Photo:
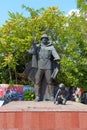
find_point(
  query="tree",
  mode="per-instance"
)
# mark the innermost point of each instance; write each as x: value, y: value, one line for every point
x: 68, y: 35
x: 82, y: 4
x: 17, y: 34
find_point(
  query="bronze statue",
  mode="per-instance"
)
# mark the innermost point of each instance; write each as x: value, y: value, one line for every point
x: 61, y: 95
x: 44, y: 68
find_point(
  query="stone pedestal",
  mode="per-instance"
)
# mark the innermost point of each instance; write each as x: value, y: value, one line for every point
x: 31, y: 115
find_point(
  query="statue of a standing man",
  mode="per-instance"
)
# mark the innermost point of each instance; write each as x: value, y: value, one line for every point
x: 45, y: 54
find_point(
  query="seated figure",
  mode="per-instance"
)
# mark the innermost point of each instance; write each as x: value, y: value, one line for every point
x: 61, y: 95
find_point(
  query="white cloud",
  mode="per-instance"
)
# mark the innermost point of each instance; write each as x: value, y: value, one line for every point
x: 77, y: 13
x: 74, y: 11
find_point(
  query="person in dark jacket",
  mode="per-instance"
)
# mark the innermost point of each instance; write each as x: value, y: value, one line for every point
x: 61, y: 95
x: 44, y: 55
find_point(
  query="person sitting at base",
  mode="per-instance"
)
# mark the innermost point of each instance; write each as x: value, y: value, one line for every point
x: 61, y: 95
x: 78, y: 94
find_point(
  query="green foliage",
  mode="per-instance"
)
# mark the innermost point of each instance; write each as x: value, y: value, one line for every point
x: 82, y: 4
x: 29, y: 96
x: 68, y: 33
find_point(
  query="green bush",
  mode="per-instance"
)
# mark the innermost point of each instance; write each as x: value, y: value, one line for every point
x: 29, y: 95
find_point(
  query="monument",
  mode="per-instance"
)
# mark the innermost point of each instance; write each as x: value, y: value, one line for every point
x: 43, y: 68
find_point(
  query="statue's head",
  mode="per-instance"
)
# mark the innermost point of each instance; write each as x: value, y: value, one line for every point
x: 61, y: 85
x: 44, y: 38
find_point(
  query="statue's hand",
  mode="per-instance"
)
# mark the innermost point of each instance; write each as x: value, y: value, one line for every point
x: 34, y: 43
x: 27, y: 52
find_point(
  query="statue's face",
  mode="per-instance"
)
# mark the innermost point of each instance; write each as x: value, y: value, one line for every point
x: 44, y: 40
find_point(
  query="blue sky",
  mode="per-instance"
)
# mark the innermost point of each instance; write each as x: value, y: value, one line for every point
x: 15, y: 6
